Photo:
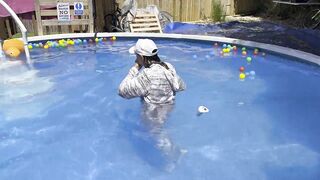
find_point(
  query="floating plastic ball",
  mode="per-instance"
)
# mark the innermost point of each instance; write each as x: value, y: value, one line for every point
x: 224, y: 45
x: 244, y: 49
x: 249, y: 59
x: 202, y: 109
x: 113, y: 38
x: 13, y: 52
x: 30, y: 46
x: 225, y: 50
x: 216, y: 44
x: 263, y: 54
x: 241, y: 69
x: 244, y: 53
x: 242, y: 76
x: 97, y: 40
x: 235, y: 48
x: 46, y: 46
x: 252, y: 73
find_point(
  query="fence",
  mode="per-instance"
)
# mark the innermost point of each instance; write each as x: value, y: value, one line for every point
x: 182, y: 10
x: 46, y: 18
x: 194, y: 10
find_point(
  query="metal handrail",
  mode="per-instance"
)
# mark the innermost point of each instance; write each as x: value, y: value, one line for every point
x: 21, y: 26
x: 1, y: 51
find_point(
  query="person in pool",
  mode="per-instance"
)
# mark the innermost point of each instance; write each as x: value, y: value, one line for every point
x: 157, y: 83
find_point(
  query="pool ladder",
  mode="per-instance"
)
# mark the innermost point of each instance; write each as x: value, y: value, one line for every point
x: 22, y: 29
x: 1, y: 51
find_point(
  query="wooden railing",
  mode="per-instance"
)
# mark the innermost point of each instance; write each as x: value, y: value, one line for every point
x: 48, y: 23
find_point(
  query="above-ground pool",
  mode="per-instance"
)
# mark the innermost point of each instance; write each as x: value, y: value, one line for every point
x: 62, y: 117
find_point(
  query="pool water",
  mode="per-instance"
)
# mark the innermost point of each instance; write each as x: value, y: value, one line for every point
x: 63, y: 119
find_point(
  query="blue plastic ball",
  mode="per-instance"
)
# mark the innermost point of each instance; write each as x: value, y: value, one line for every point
x: 252, y: 73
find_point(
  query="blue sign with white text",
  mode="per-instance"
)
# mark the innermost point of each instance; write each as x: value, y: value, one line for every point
x: 78, y: 8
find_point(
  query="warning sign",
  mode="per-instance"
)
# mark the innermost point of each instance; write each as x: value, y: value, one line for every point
x: 78, y: 8
x: 63, y: 11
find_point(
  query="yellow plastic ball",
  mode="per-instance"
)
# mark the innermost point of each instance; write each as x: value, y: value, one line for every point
x: 242, y: 76
x: 225, y: 50
x: 30, y: 46
x: 13, y: 43
x: 113, y: 38
x: 244, y: 53
x: 46, y: 46
x: 13, y: 52
x: 97, y: 40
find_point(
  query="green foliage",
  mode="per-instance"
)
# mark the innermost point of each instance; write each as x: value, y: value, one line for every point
x: 217, y: 13
x: 19, y: 35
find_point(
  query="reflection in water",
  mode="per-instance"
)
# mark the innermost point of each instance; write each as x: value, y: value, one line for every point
x: 20, y: 91
x: 154, y: 117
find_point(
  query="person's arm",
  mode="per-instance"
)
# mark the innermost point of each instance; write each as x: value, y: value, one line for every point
x: 181, y: 85
x: 135, y: 84
x: 176, y: 82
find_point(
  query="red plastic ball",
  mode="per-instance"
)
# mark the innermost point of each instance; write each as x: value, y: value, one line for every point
x: 241, y: 69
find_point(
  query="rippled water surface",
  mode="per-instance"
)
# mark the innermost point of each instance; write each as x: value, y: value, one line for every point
x: 62, y: 118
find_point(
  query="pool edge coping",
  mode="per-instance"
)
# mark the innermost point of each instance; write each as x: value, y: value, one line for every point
x: 305, y: 56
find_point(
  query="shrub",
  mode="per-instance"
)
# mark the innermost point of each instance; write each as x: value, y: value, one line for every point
x: 217, y: 13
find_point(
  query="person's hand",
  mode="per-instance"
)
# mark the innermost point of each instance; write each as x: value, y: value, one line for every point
x: 137, y: 66
x: 139, y: 62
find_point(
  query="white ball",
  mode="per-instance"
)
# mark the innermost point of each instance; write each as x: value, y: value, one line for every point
x: 203, y: 109
x: 252, y: 73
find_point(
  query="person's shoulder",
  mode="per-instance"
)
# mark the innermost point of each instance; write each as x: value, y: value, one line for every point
x: 170, y: 66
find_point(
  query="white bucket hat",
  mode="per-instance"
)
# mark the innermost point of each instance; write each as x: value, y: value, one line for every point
x: 144, y: 47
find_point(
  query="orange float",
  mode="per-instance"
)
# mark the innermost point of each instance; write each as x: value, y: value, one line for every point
x: 13, y: 43
x: 12, y: 52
